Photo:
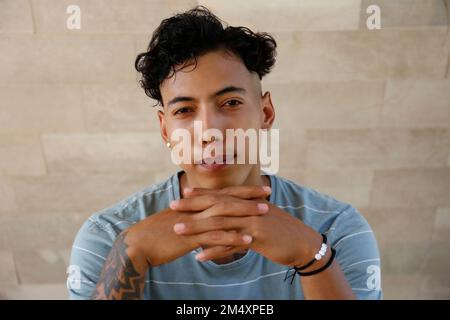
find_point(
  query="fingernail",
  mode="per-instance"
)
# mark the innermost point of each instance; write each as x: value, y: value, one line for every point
x: 174, y: 204
x: 179, y: 227
x: 263, y: 207
x: 200, y: 256
x: 267, y: 189
x: 188, y: 190
x: 247, y: 238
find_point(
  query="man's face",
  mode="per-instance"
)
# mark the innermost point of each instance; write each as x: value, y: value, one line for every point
x: 223, y: 94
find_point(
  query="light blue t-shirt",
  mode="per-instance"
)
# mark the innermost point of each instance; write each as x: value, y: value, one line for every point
x: 252, y: 276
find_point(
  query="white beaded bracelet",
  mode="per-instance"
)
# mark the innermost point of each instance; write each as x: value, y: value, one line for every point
x: 322, y: 251
x: 318, y: 256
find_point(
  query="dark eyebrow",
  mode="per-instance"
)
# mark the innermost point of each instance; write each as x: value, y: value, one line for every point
x: 218, y: 93
x: 229, y: 89
x: 179, y: 99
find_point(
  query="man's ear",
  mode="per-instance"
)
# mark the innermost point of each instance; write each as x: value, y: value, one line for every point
x: 268, y: 111
x: 162, y: 126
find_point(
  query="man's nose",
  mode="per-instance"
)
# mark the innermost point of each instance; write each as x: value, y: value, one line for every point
x: 209, y: 139
x: 212, y: 124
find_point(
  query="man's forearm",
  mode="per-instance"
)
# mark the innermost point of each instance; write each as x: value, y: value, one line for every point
x: 123, y: 274
x: 328, y: 284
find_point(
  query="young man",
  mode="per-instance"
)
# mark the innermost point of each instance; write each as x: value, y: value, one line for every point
x: 221, y: 231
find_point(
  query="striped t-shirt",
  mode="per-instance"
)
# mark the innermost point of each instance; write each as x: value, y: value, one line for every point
x: 250, y: 277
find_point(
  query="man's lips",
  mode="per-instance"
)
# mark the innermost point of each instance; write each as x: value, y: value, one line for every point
x: 224, y: 159
x: 213, y: 167
x: 210, y: 164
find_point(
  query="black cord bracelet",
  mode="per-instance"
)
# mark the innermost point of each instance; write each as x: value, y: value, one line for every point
x: 310, y: 273
x: 324, y: 241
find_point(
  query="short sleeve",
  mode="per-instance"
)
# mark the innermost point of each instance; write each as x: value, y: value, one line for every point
x: 357, y: 253
x: 91, y: 246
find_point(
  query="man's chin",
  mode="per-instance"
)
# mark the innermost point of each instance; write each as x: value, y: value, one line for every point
x: 220, y: 177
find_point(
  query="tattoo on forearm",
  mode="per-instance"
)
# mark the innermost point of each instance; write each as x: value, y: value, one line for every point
x: 119, y: 279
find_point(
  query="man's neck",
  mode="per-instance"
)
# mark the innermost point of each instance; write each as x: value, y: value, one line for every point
x: 254, y: 178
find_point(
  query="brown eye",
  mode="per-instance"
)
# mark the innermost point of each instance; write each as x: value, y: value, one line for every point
x: 182, y: 110
x: 233, y: 103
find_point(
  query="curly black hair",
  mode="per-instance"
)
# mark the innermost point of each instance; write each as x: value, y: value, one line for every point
x: 190, y: 34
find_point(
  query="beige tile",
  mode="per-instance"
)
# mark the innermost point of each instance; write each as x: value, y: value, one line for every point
x: 76, y: 193
x: 21, y: 155
x: 446, y: 2
x: 65, y: 255
x: 400, y: 287
x: 296, y: 175
x: 62, y: 59
x: 408, y: 13
x: 164, y: 174
x: 442, y: 218
x: 437, y: 259
x: 353, y: 104
x: 7, y: 198
x: 42, y: 108
x: 40, y: 230
x: 377, y: 148
x: 412, y: 187
x: 106, y: 16
x: 289, y: 15
x: 350, y: 186
x: 435, y: 287
x: 442, y: 224
x: 53, y: 291
x: 114, y: 108
x: 32, y: 109
x: 4, y: 238
x: 417, y: 104
x: 447, y: 76
x: 141, y: 42
x: 396, y: 225
x: 360, y: 55
x: 104, y: 153
x: 15, y: 17
x: 292, y: 148
x: 403, y: 258
x: 39, y: 267
x: 7, y: 269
